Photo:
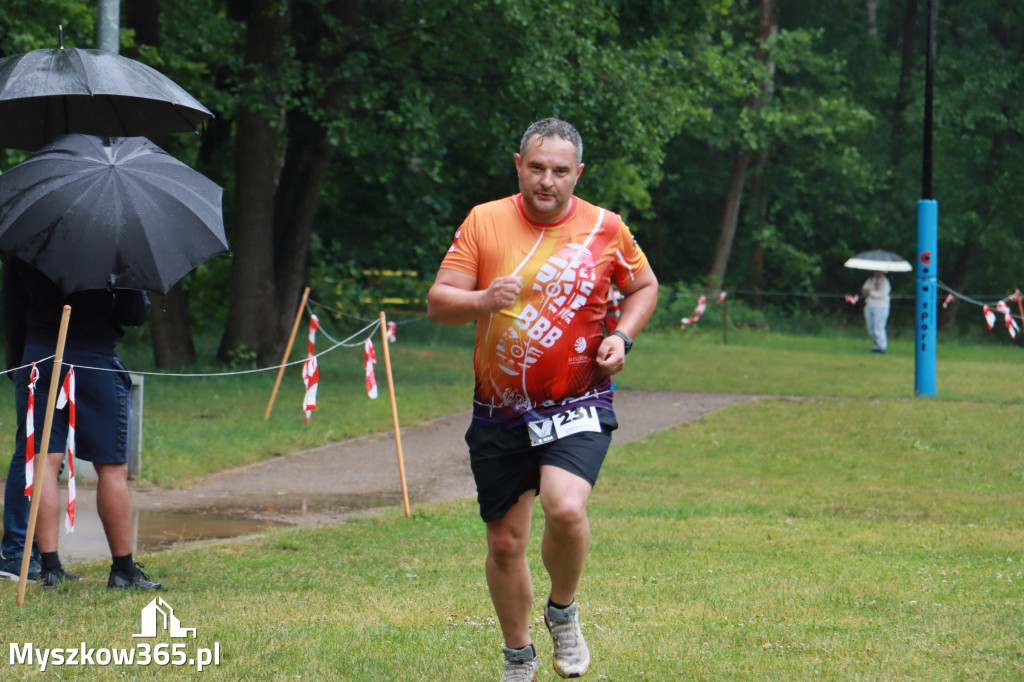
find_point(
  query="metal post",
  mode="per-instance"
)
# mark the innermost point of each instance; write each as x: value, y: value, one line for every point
x: 929, y: 80
x: 927, y: 314
x: 108, y: 26
x: 927, y: 237
x: 135, y: 426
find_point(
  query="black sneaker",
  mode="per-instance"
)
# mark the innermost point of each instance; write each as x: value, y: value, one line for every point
x: 10, y: 569
x: 137, y: 579
x: 54, y: 579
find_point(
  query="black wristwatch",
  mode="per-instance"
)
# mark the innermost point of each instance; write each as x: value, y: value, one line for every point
x: 625, y: 339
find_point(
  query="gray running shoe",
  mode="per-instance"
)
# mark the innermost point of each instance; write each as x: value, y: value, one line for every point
x: 520, y: 664
x: 10, y: 569
x: 572, y: 657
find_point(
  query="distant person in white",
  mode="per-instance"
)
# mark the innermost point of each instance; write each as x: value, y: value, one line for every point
x: 876, y: 292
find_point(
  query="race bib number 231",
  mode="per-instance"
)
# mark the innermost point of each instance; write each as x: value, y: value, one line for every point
x: 577, y: 420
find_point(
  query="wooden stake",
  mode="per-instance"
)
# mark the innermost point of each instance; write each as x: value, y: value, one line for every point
x: 287, y: 352
x: 44, y: 449
x: 394, y: 411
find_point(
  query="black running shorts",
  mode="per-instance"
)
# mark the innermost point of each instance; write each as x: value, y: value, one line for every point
x: 505, y: 465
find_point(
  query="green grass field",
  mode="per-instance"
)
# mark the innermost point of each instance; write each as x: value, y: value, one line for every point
x: 854, y: 533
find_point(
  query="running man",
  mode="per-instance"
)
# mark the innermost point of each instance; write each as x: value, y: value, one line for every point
x: 533, y: 271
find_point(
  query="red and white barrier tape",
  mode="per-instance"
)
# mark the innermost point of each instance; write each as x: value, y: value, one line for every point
x: 1011, y: 324
x: 702, y: 304
x: 990, y: 317
x: 310, y: 370
x: 67, y: 397
x: 369, y: 358
x: 30, y: 431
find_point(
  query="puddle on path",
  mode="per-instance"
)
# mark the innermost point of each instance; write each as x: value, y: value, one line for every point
x: 157, y: 530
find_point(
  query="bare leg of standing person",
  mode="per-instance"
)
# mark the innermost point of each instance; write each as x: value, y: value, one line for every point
x: 114, y: 504
x: 48, y: 515
x: 52, y: 573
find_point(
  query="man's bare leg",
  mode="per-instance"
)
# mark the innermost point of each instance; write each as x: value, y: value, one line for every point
x: 48, y: 514
x: 114, y: 504
x: 508, y: 571
x: 566, y: 540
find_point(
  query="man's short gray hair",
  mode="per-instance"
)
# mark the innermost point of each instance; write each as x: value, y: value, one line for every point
x: 553, y: 126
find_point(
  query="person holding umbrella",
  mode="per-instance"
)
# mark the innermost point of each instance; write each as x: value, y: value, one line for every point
x: 63, y: 98
x: 876, y: 290
x: 32, y: 306
x: 93, y: 222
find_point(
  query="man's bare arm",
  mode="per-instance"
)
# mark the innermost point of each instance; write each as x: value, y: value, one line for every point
x: 639, y: 300
x: 454, y: 300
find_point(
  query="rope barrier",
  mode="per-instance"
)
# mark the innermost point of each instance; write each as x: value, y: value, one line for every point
x: 799, y: 294
x: 347, y: 343
x: 373, y: 324
x: 15, y: 369
x: 965, y: 297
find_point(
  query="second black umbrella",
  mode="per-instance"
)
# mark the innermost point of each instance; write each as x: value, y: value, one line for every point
x: 97, y: 213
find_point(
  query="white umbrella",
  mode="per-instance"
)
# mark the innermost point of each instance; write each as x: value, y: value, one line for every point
x: 886, y: 261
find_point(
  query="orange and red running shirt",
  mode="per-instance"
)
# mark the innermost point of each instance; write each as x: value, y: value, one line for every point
x: 537, y: 357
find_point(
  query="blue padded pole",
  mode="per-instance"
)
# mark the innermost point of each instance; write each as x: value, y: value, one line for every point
x: 927, y: 313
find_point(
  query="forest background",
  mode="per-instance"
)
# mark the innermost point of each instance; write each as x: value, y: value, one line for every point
x: 751, y: 145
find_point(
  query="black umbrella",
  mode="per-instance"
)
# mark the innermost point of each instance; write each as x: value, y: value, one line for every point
x: 47, y: 93
x: 885, y: 261
x: 96, y: 213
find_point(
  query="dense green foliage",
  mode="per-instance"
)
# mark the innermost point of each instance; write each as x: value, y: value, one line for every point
x: 423, y: 104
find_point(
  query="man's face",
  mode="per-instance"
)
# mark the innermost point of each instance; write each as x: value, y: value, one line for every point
x: 547, y: 177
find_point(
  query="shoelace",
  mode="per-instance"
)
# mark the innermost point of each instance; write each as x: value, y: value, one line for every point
x: 565, y: 634
x: 519, y: 670
x: 137, y: 566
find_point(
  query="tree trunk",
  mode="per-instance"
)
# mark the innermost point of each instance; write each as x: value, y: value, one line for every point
x: 730, y: 218
x: 171, y: 333
x: 169, y: 325
x: 871, y: 12
x: 757, y: 255
x: 143, y: 17
x: 306, y: 163
x: 767, y: 28
x: 903, y: 96
x: 252, y: 308
x: 961, y: 269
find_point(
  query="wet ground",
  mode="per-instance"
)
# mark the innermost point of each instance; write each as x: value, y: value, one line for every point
x: 155, y: 530
x: 330, y: 483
